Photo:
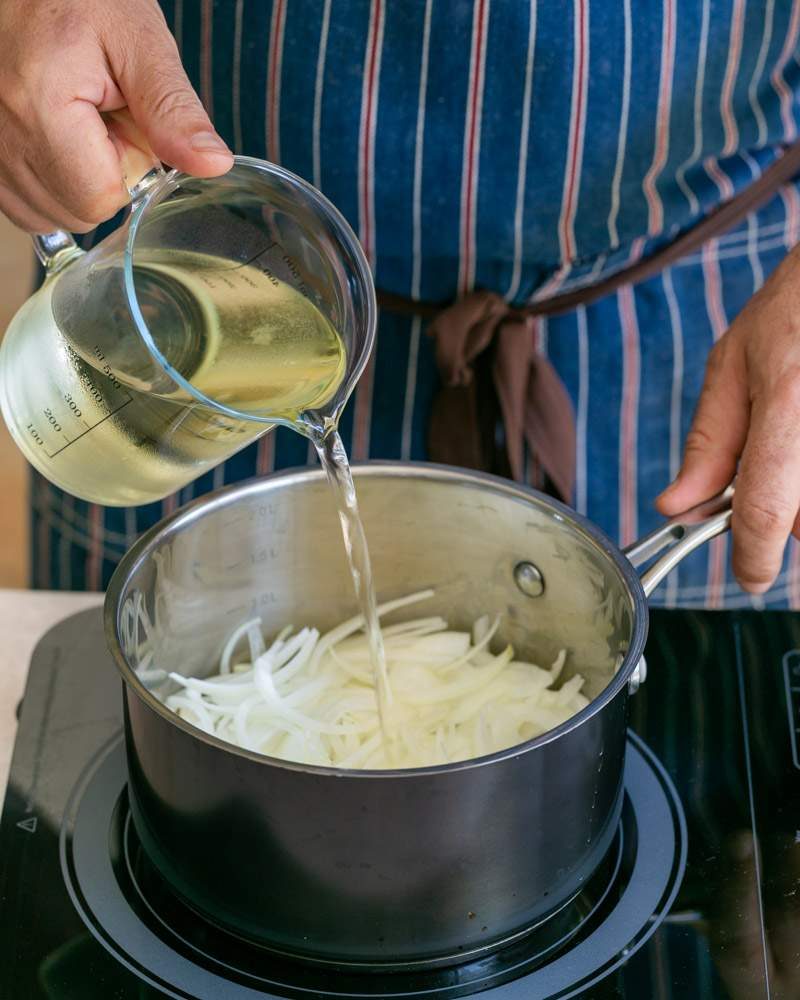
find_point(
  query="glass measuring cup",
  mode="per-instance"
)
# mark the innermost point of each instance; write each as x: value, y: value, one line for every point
x: 220, y: 308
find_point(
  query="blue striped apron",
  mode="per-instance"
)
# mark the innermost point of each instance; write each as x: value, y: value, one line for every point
x: 524, y: 147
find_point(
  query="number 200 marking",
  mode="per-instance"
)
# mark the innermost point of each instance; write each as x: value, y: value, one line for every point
x: 51, y: 417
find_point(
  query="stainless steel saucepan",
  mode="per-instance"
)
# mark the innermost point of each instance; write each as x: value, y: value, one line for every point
x: 385, y: 867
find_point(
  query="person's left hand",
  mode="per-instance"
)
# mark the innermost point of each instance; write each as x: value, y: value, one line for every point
x: 749, y: 415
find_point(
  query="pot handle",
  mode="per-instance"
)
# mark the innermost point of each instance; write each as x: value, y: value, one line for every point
x: 679, y: 536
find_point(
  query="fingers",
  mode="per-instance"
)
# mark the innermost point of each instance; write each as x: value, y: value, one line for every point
x: 21, y: 213
x: 78, y: 164
x: 767, y: 498
x: 760, y: 437
x: 61, y: 167
x: 64, y: 167
x: 55, y: 152
x: 164, y: 104
x: 717, y: 436
x: 136, y: 158
x: 30, y: 189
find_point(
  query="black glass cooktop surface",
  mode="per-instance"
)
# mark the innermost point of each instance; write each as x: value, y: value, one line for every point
x: 699, y: 896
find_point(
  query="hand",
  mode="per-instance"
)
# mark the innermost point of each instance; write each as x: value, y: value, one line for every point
x: 63, y: 63
x: 749, y: 415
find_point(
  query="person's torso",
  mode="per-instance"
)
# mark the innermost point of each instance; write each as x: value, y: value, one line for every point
x: 519, y: 146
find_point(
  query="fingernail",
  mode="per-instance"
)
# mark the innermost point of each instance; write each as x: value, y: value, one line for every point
x: 208, y: 142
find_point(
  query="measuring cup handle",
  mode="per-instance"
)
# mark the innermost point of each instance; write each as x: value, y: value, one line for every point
x: 55, y: 249
x: 140, y: 169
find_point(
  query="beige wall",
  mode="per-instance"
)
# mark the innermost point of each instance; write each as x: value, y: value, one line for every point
x: 16, y: 276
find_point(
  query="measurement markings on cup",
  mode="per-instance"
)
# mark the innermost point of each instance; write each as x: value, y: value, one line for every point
x: 90, y: 427
x: 73, y: 416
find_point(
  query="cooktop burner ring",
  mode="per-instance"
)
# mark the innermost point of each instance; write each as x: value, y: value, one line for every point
x: 536, y: 942
x: 631, y: 911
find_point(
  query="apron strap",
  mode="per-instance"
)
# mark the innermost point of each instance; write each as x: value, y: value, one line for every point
x: 720, y: 220
x: 499, y: 393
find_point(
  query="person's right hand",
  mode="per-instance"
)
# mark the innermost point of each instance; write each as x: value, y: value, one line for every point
x: 64, y: 62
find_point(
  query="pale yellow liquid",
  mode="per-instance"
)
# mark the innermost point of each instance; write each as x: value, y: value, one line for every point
x: 333, y: 459
x: 87, y: 417
x: 98, y: 430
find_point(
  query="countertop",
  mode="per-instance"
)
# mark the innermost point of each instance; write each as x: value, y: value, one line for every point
x: 25, y: 616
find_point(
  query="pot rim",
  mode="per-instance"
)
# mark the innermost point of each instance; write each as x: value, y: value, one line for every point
x: 200, y: 506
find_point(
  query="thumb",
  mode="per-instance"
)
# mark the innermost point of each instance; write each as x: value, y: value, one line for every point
x: 717, y: 435
x: 134, y: 152
x: 163, y: 102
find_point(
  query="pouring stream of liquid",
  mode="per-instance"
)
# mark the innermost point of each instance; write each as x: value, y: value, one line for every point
x: 333, y: 458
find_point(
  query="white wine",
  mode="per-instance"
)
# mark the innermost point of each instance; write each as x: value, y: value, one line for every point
x: 240, y: 335
x: 86, y: 412
x: 94, y: 414
x: 333, y: 458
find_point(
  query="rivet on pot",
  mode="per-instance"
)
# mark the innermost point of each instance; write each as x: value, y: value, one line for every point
x: 529, y: 580
x: 638, y: 676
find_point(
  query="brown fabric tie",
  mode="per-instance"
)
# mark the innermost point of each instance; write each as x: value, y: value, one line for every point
x: 491, y: 372
x: 486, y: 354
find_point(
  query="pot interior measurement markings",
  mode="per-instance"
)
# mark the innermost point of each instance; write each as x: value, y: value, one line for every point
x: 75, y: 415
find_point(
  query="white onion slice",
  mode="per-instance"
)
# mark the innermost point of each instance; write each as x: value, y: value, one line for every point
x: 310, y: 698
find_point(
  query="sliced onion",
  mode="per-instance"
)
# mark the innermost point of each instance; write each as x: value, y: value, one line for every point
x: 310, y: 698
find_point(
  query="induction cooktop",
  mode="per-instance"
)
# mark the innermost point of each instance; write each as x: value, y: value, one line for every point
x: 698, y: 897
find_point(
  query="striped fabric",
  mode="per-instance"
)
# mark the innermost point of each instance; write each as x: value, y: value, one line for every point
x: 527, y: 148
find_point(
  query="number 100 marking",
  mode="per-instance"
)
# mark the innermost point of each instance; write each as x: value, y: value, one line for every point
x: 37, y: 437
